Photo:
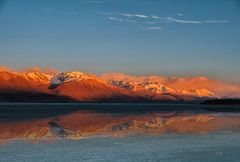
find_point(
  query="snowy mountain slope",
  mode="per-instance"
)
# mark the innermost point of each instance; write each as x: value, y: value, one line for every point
x: 157, y: 88
x: 89, y: 88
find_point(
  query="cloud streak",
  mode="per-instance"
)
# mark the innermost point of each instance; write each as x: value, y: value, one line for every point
x: 216, y: 21
x: 155, y: 17
x: 170, y: 19
x: 135, y: 15
x: 115, y: 19
x: 149, y: 28
x: 179, y: 14
x: 147, y: 21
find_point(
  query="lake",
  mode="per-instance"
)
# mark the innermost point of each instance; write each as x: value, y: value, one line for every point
x: 117, y: 132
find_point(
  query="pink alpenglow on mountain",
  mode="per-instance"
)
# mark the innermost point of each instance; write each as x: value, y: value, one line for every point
x: 112, y: 87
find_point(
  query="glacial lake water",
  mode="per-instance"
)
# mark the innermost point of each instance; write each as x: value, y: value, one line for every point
x: 117, y: 132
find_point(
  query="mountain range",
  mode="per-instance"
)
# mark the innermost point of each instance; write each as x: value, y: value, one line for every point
x: 38, y: 86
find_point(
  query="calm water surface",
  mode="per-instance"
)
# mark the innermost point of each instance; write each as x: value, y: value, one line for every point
x: 117, y: 132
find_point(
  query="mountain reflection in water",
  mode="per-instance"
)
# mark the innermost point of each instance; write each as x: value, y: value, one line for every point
x: 70, y: 123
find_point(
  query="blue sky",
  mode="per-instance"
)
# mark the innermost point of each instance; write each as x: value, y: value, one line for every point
x: 142, y: 37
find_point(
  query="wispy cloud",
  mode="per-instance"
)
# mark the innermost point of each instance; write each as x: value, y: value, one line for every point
x: 141, y: 16
x: 127, y: 15
x: 179, y: 14
x: 148, y: 28
x: 216, y: 21
x: 151, y: 21
x: 170, y: 19
x: 134, y: 15
x: 115, y: 19
x: 155, y: 17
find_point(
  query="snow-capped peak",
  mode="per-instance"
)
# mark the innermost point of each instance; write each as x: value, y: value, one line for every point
x: 69, y: 76
x: 122, y: 84
x: 150, y: 86
x: 204, y: 93
x: 158, y: 88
